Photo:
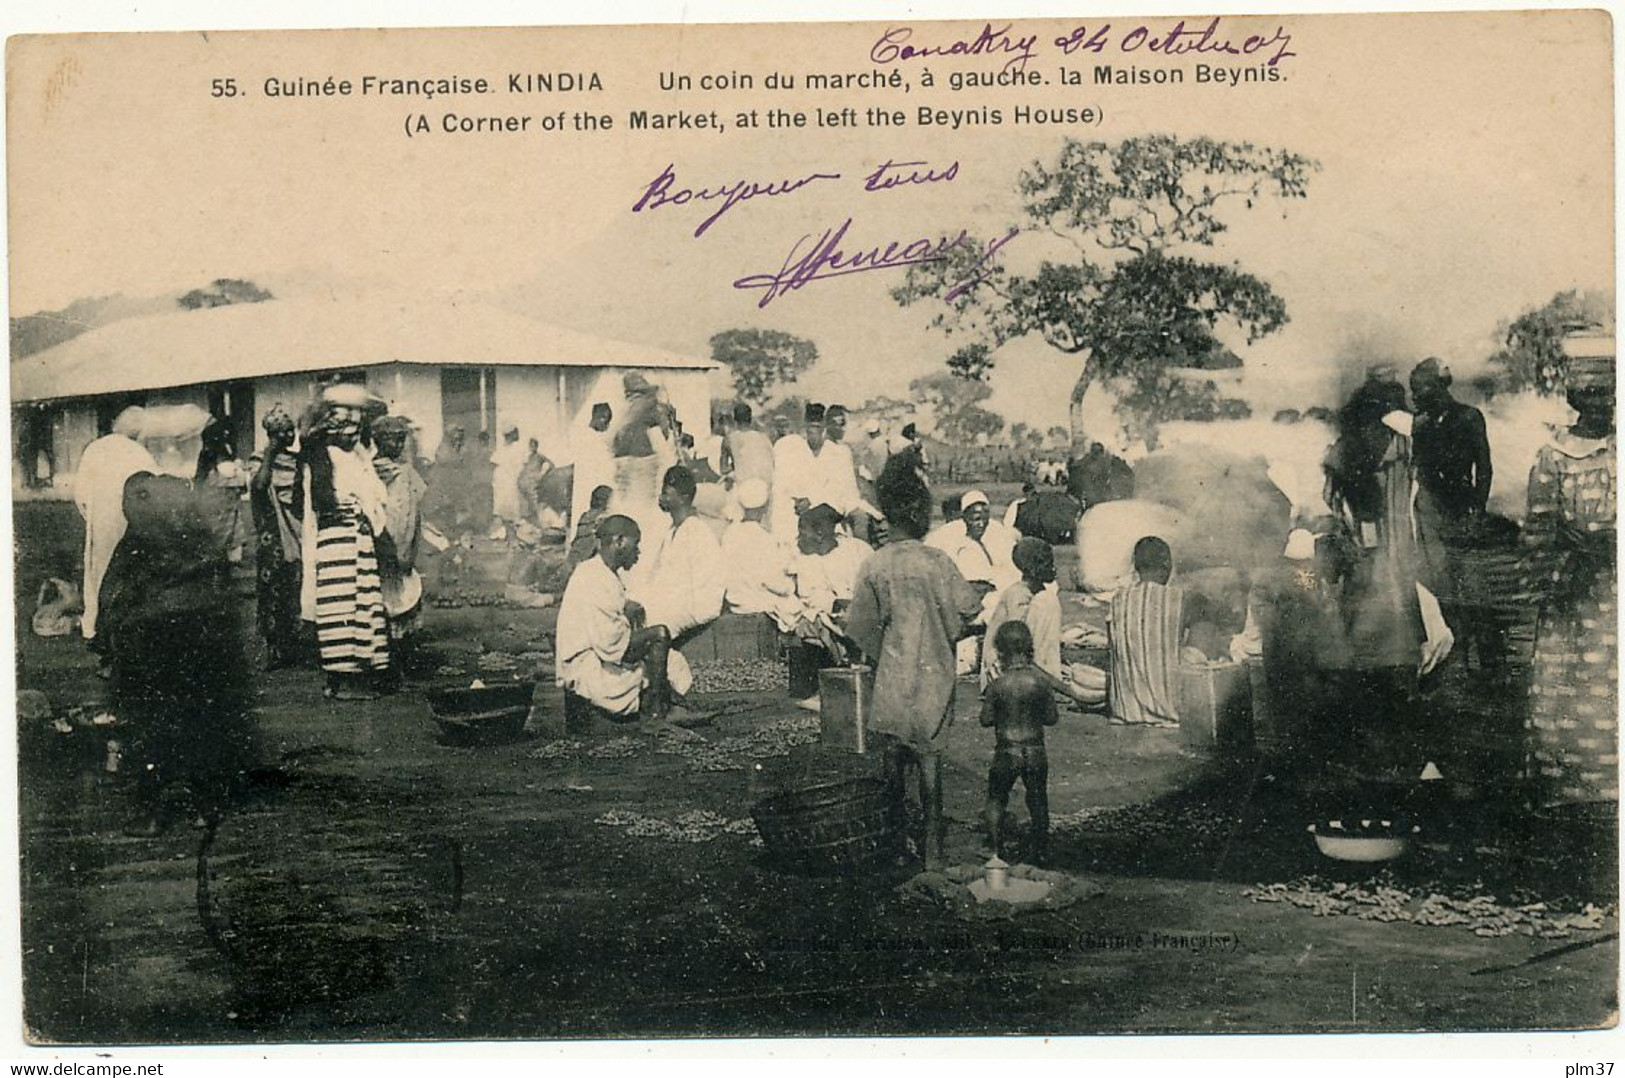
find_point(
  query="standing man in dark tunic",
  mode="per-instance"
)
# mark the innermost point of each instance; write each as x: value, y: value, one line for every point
x: 909, y: 608
x: 1453, y: 474
x: 1451, y: 445
x: 179, y: 668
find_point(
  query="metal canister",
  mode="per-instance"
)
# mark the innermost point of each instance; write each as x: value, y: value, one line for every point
x: 115, y: 756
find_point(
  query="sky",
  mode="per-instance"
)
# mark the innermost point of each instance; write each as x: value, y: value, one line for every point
x: 1466, y: 175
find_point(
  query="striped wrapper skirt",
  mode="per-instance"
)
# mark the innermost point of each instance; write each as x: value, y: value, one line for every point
x: 352, y: 629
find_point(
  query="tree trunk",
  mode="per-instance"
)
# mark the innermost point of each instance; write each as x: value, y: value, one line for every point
x: 1080, y: 436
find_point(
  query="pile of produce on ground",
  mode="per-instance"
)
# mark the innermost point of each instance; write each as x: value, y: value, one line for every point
x: 1187, y: 821
x: 697, y: 825
x: 454, y: 600
x: 1383, y: 898
x: 771, y: 739
x: 740, y: 675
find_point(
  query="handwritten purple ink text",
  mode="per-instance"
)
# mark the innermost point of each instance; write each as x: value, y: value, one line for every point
x: 825, y: 257
x: 660, y: 193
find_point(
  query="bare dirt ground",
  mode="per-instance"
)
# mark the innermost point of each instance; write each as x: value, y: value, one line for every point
x: 378, y: 885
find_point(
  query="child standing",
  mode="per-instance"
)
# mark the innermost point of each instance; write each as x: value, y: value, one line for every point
x: 1018, y: 705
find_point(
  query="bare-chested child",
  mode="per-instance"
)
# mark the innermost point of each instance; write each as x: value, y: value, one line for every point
x: 1018, y: 705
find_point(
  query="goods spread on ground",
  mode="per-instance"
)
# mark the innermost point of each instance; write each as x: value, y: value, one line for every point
x: 1382, y: 898
x: 736, y: 753
x: 740, y: 675
x: 698, y: 825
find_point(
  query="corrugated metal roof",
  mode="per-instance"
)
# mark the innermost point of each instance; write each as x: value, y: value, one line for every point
x: 253, y: 340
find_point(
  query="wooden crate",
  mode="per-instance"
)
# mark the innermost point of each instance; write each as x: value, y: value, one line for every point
x: 733, y: 636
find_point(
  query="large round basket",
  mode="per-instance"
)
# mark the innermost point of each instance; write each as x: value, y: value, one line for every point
x: 481, y: 716
x: 838, y: 828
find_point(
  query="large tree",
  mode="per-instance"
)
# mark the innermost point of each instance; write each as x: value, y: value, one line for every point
x: 955, y: 404
x: 761, y: 359
x: 1126, y: 291
x: 1532, y: 352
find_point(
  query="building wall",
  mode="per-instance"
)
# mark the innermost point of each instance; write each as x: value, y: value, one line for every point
x: 528, y: 397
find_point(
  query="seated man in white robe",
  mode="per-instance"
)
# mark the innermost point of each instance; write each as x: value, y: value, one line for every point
x: 684, y: 585
x: 951, y: 531
x: 608, y: 661
x: 982, y: 552
x: 758, y: 580
x: 826, y: 570
x: 826, y: 564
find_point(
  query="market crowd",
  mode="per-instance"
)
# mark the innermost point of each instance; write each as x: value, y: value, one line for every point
x: 835, y: 536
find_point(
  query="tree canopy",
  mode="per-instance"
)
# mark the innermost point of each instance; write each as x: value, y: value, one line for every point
x: 1127, y: 291
x: 955, y: 404
x: 761, y: 359
x: 1532, y: 353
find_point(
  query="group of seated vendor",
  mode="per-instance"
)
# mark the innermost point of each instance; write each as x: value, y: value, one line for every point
x: 618, y: 628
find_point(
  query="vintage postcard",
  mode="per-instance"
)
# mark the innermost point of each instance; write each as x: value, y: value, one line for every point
x: 1024, y: 526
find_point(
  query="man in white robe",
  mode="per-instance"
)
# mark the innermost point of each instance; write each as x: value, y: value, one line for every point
x: 506, y: 464
x: 833, y: 474
x: 793, y: 479
x: 605, y: 658
x: 981, y: 549
x: 758, y: 580
x: 684, y: 584
x: 98, y: 491
x: 826, y: 565
x: 594, y: 464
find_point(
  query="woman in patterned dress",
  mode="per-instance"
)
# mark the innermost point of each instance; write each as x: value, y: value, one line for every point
x: 277, y: 501
x: 1573, y: 724
x: 346, y: 509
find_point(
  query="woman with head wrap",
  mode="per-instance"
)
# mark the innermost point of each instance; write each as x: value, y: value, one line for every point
x: 397, y: 544
x: 178, y: 664
x: 346, y: 510
x: 276, y: 498
x: 1573, y: 726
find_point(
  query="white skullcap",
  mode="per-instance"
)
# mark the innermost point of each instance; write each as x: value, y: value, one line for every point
x: 972, y: 497
x: 752, y: 494
x: 1300, y: 545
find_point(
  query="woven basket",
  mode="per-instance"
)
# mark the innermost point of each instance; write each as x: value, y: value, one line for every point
x: 836, y: 828
x: 483, y: 716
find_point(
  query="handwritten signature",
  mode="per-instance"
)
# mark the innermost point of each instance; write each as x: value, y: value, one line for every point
x: 825, y: 257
